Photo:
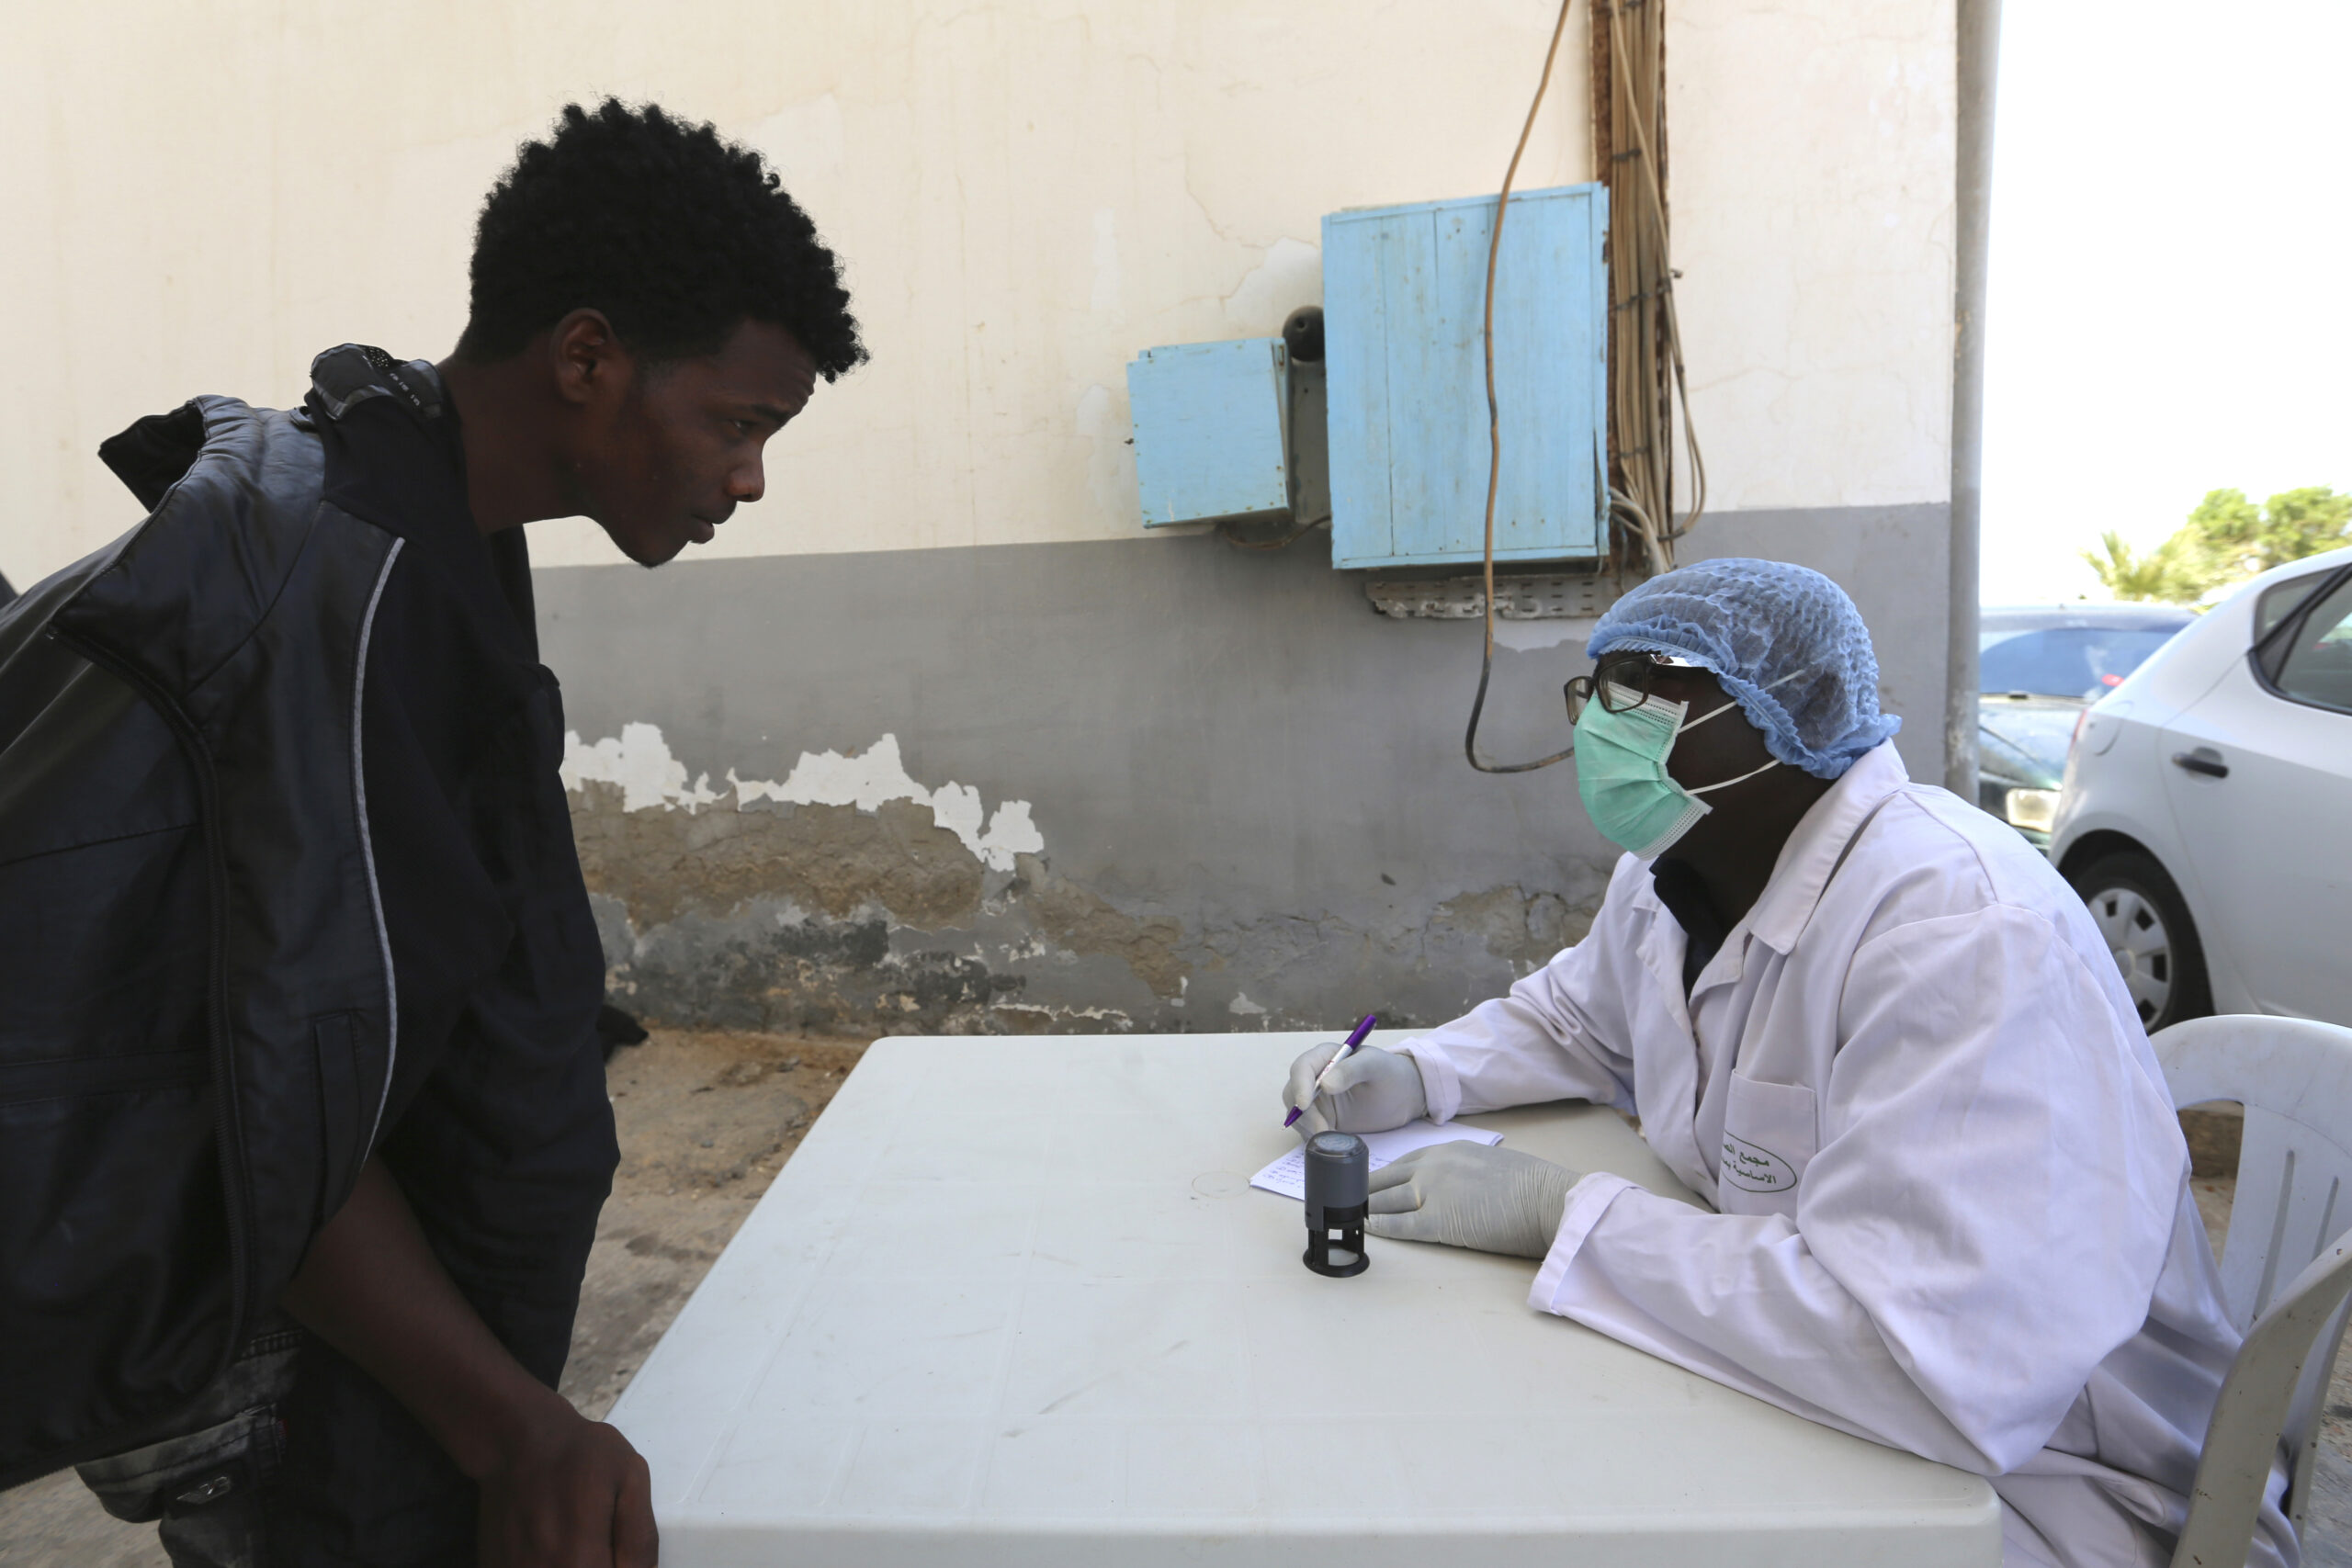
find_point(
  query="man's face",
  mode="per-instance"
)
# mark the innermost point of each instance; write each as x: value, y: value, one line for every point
x: 666, y: 453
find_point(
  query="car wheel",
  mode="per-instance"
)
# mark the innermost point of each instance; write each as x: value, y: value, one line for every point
x: 2139, y: 910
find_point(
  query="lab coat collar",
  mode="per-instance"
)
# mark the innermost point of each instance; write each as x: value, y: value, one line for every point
x: 1818, y: 844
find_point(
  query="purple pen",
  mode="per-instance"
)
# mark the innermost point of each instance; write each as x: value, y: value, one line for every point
x: 1354, y: 1040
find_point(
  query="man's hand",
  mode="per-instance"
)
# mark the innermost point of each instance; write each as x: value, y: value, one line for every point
x: 573, y: 1492
x: 1470, y: 1195
x: 1370, y: 1092
x: 558, y: 1490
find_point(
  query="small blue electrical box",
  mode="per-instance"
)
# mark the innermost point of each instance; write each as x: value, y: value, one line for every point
x: 1404, y: 292
x: 1210, y: 422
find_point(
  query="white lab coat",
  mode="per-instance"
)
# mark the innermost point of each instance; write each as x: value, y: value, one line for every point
x: 1954, y: 1206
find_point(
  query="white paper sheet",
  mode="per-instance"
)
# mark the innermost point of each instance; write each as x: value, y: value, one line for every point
x: 1287, y: 1175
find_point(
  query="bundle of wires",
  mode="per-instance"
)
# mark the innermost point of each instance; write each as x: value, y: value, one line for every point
x: 1646, y: 373
x: 1629, y: 50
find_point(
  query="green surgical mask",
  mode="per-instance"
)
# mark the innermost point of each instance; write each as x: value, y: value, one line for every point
x: 1621, y: 773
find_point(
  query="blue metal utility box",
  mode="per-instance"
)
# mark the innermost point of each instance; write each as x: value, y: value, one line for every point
x: 1403, y: 289
x: 1210, y: 430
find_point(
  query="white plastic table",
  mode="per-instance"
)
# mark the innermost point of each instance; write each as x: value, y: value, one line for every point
x: 1013, y: 1301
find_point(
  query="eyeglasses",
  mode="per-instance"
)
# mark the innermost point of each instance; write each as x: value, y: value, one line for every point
x: 1622, y: 682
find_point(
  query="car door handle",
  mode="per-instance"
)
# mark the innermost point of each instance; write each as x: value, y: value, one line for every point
x: 2204, y: 760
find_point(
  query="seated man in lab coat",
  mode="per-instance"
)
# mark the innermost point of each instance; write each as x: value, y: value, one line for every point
x: 1871, y: 1025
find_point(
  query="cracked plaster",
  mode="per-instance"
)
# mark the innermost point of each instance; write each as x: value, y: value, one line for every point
x: 851, y: 897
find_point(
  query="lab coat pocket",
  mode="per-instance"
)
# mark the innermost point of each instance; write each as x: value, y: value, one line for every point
x: 1769, y: 1133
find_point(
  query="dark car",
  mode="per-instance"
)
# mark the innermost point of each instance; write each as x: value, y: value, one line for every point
x: 2039, y: 667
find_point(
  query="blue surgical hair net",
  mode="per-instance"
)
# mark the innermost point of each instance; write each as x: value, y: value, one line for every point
x: 1785, y: 643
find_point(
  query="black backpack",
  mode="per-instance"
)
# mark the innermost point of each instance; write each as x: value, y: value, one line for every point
x: 195, y: 993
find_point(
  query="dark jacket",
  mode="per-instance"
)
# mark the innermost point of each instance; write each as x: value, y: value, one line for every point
x: 201, y: 988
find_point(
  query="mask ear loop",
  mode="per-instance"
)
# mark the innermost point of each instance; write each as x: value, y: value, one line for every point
x: 1727, y: 783
x: 1693, y: 724
x: 1696, y: 723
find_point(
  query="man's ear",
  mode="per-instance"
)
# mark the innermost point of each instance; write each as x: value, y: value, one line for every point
x: 588, y: 360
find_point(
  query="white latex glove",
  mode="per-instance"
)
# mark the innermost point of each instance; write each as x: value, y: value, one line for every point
x: 1370, y: 1092
x: 1490, y: 1200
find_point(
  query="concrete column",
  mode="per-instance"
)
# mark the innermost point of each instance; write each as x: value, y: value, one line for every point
x: 1979, y: 67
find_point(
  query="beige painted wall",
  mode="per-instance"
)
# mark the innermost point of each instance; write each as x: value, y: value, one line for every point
x: 1813, y: 146
x: 198, y: 197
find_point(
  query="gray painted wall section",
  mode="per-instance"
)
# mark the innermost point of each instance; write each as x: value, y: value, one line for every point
x: 1250, y: 785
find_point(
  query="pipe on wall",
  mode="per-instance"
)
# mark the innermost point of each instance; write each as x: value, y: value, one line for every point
x: 1979, y: 70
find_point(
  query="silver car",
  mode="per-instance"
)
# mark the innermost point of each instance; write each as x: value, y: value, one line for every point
x: 2206, y: 815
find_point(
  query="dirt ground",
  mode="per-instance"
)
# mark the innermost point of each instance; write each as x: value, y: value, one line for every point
x: 705, y: 1122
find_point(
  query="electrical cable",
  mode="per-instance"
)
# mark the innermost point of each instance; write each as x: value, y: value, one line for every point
x: 1495, y: 426
x: 1648, y: 378
x: 1642, y: 314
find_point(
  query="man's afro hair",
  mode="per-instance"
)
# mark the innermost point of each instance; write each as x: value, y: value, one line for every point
x: 676, y: 235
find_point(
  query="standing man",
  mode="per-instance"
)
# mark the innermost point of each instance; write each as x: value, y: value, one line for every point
x: 303, y: 1126
x: 1874, y: 1028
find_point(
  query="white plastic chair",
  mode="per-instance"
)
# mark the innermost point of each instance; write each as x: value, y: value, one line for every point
x: 2285, y: 1262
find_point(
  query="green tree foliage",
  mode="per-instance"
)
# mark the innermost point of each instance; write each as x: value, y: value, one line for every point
x: 2299, y: 522
x: 2226, y: 540
x: 2160, y: 574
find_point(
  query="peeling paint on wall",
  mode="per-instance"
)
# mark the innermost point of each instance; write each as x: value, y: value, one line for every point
x: 1128, y: 786
x: 847, y: 895
x: 851, y: 896
x: 639, y: 762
